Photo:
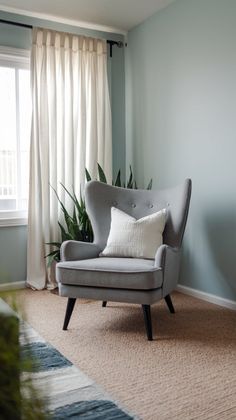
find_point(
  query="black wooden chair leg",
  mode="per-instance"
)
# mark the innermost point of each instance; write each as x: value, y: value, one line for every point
x: 147, y: 320
x: 170, y: 304
x: 69, y: 310
x: 104, y: 303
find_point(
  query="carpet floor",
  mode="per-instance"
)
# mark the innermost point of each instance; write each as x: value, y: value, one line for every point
x: 187, y: 372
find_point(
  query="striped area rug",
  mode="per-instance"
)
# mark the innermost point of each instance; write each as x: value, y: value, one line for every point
x: 69, y: 393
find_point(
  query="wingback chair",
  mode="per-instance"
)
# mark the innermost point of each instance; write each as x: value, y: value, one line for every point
x: 82, y: 273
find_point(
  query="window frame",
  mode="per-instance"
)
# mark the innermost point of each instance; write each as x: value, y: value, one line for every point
x: 16, y: 58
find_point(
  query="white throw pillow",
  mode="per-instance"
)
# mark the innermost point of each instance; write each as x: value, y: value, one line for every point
x: 129, y: 237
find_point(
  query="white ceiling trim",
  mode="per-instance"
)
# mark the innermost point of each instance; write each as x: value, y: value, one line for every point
x: 58, y: 19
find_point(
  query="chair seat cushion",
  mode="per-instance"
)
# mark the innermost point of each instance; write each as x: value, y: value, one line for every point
x: 117, y: 273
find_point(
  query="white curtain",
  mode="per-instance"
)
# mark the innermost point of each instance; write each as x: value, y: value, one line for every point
x: 71, y: 130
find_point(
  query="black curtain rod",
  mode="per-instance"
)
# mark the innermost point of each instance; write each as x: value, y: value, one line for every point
x: 25, y: 25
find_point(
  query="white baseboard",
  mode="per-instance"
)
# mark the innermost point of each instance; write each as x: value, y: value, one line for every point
x: 230, y: 304
x: 12, y: 286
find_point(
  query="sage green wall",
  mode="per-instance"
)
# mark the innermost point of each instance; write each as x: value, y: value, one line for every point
x: 13, y: 239
x: 181, y: 122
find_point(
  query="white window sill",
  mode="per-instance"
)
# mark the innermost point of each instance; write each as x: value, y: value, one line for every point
x: 14, y: 221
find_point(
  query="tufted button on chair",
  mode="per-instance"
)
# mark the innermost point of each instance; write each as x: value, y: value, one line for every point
x: 82, y: 273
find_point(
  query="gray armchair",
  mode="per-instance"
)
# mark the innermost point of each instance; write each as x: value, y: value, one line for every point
x: 83, y: 274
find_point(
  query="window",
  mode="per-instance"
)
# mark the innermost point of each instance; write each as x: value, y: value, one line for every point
x: 15, y: 120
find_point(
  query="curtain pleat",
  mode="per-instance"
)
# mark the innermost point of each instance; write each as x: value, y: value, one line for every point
x: 71, y: 130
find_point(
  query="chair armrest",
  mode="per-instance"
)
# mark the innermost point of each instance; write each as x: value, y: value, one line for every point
x: 161, y: 254
x: 168, y: 259
x: 78, y: 250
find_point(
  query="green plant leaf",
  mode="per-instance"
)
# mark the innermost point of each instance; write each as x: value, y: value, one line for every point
x: 101, y: 174
x: 74, y: 217
x: 58, y: 244
x: 80, y: 207
x: 87, y: 175
x: 67, y: 217
x: 76, y: 227
x: 130, y: 181
x: 149, y: 187
x: 69, y: 224
x: 53, y: 256
x: 75, y: 231
x: 51, y: 253
x: 83, y: 219
x: 118, y: 180
x: 65, y: 236
x: 68, y: 192
x: 76, y: 202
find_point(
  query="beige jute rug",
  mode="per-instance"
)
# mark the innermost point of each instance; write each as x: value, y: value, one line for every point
x: 187, y: 372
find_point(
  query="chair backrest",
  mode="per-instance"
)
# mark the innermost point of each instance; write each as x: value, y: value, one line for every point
x: 100, y: 197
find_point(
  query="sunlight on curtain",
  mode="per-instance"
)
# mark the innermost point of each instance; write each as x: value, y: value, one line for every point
x: 71, y: 130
